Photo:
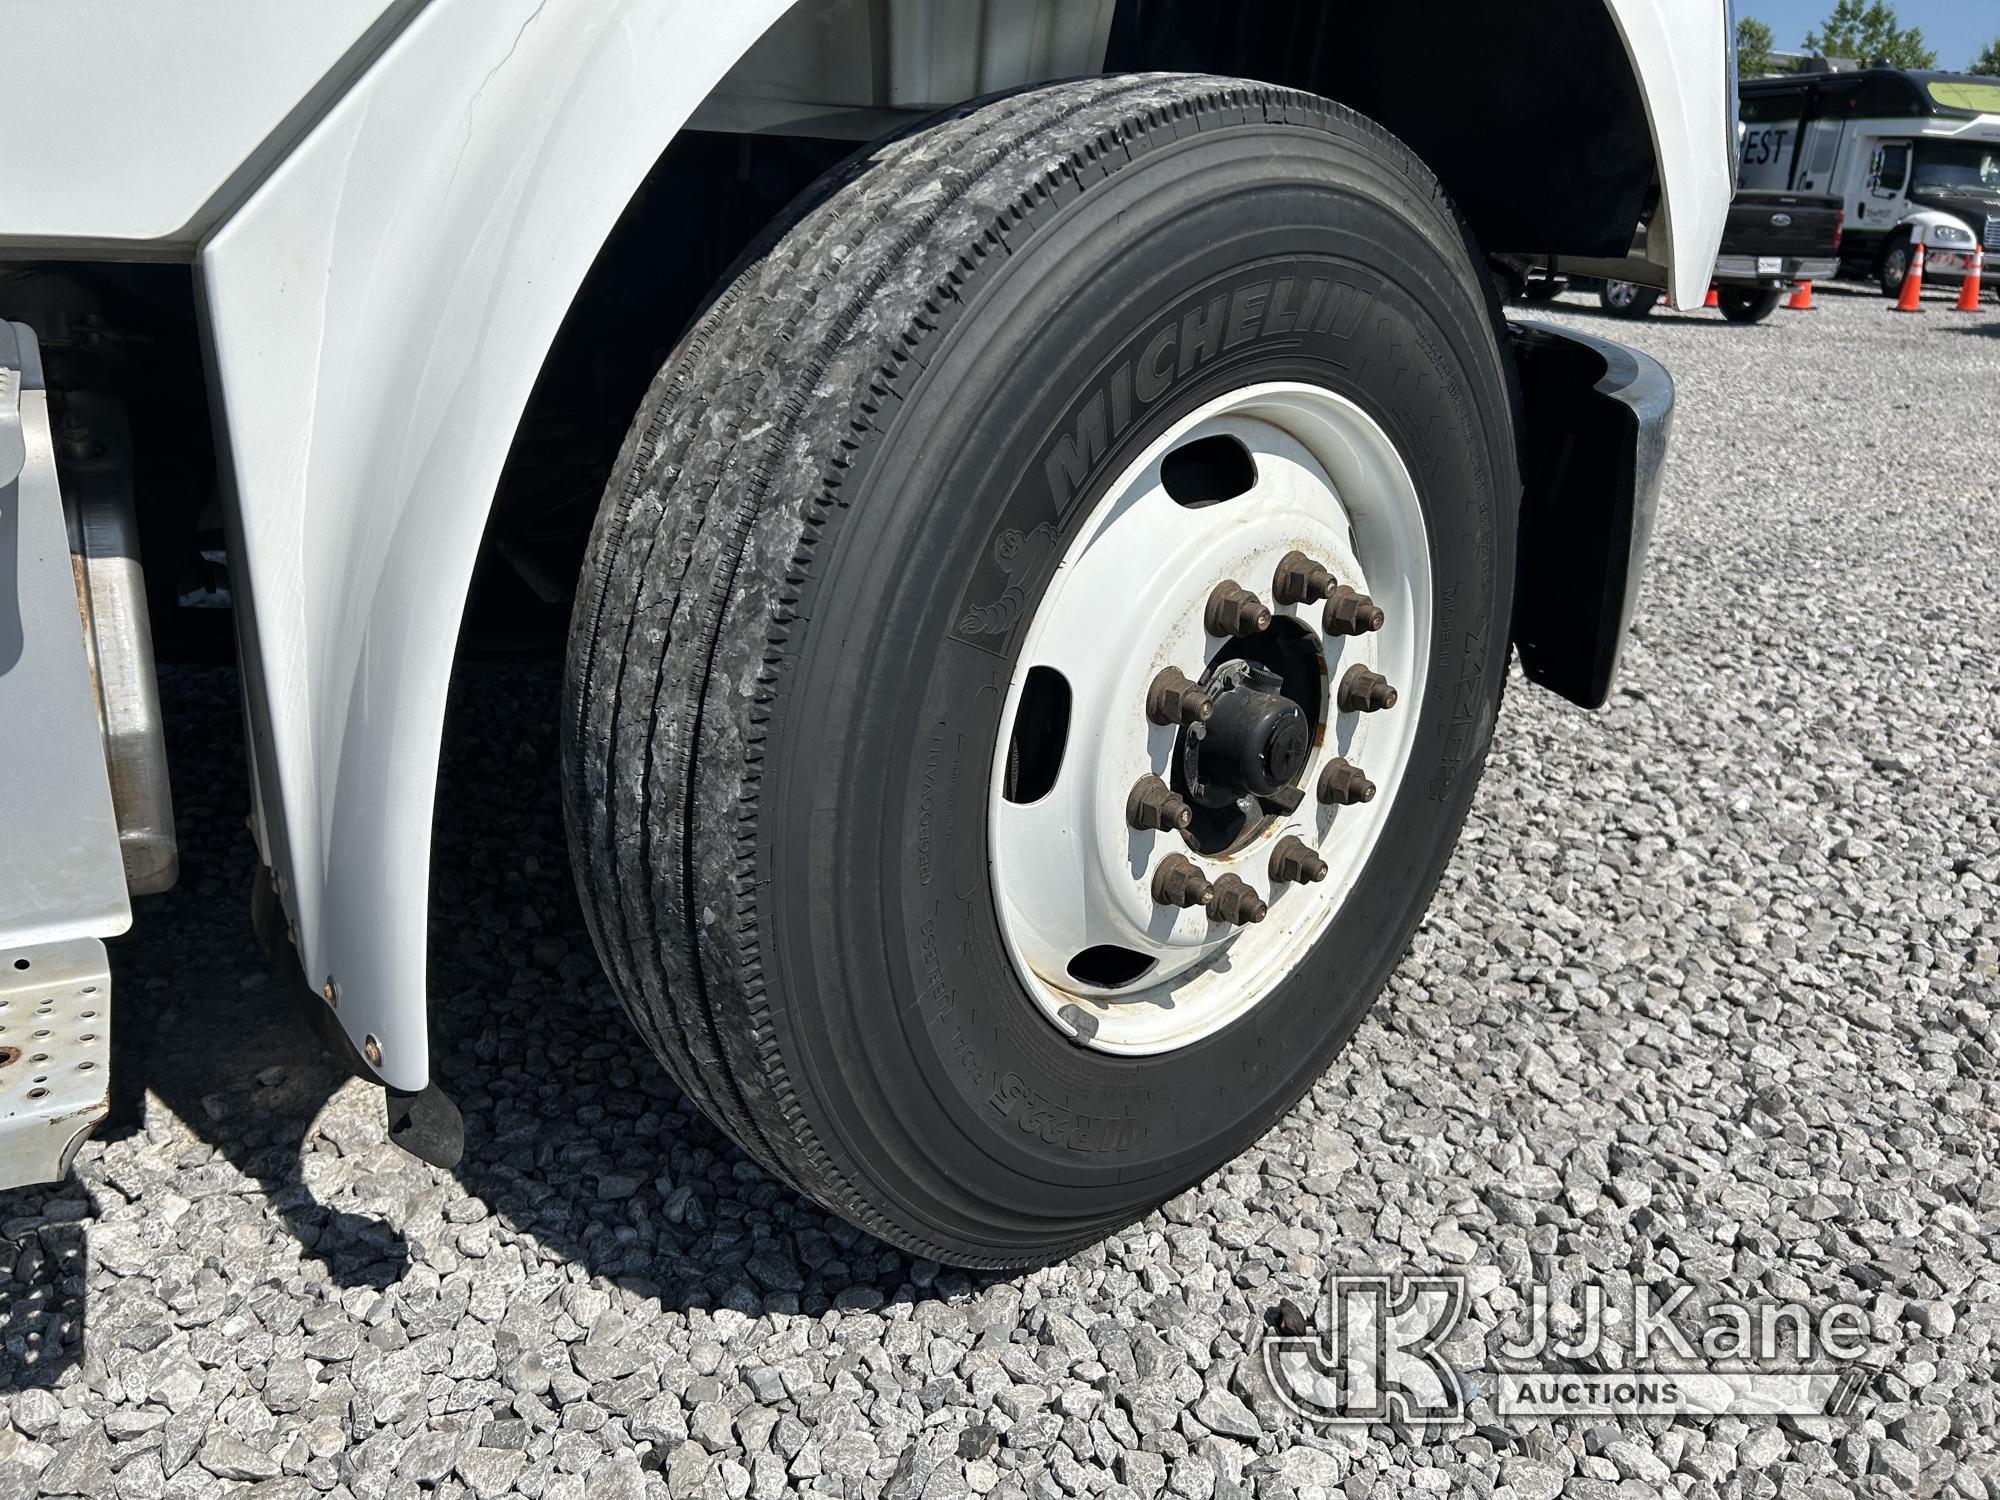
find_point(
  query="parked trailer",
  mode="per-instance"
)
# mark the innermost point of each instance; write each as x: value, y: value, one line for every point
x: 1047, y: 617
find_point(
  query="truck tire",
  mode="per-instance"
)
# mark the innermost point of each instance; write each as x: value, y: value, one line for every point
x: 1749, y: 304
x: 866, y: 670
x: 1894, y: 267
x: 1625, y: 299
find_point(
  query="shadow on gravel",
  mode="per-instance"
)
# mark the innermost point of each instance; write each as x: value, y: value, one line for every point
x: 575, y: 1136
x: 42, y: 1300
x: 203, y: 1019
x: 574, y: 1131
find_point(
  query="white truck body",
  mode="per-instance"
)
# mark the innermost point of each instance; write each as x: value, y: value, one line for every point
x: 388, y: 206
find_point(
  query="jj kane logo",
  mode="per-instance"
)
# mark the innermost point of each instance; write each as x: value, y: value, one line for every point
x: 1394, y: 1349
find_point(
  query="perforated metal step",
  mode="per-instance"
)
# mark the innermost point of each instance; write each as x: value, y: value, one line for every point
x: 55, y: 1056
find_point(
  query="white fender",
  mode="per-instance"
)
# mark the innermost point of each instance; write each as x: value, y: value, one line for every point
x: 1925, y: 224
x: 1683, y: 54
x: 380, y: 308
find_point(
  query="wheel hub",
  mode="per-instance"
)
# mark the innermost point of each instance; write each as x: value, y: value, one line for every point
x: 1253, y: 746
x: 1223, y: 729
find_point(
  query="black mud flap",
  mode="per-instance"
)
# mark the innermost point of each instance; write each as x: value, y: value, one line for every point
x: 427, y: 1125
x: 1597, y: 417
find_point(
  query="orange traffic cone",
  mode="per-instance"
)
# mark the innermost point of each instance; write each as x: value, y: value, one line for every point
x: 1714, y: 297
x: 1912, y: 299
x: 1801, y: 297
x: 1968, y: 289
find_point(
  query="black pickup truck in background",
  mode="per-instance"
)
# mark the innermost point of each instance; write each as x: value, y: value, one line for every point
x: 1773, y: 241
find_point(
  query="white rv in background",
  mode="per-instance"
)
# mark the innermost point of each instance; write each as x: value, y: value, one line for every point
x: 1913, y: 157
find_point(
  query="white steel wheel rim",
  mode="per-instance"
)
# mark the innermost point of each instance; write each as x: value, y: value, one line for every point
x: 1070, y: 874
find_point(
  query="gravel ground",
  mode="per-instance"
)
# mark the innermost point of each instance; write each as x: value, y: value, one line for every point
x: 1706, y: 998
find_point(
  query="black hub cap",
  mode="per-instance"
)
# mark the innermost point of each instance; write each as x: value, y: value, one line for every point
x: 1237, y: 769
x: 1253, y: 746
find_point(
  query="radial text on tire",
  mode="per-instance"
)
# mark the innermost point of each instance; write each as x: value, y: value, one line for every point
x: 832, y: 727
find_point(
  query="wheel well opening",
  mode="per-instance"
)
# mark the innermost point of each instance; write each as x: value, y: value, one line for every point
x: 704, y: 203
x: 1545, y: 150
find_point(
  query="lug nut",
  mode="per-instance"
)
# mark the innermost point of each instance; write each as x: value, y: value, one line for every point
x: 1342, y: 784
x: 1233, y: 610
x: 1231, y: 899
x: 1365, y: 692
x: 1154, y: 804
x: 1349, y: 613
x: 1172, y: 699
x: 1300, y: 580
x: 1179, y: 882
x: 1296, y: 861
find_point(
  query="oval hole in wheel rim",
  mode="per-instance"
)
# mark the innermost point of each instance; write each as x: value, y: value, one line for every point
x: 1109, y: 967
x: 1041, y: 731
x: 1209, y: 471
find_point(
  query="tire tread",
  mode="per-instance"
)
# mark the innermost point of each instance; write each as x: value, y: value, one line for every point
x: 695, y: 578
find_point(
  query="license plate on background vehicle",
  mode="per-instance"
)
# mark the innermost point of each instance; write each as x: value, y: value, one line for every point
x: 1770, y: 265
